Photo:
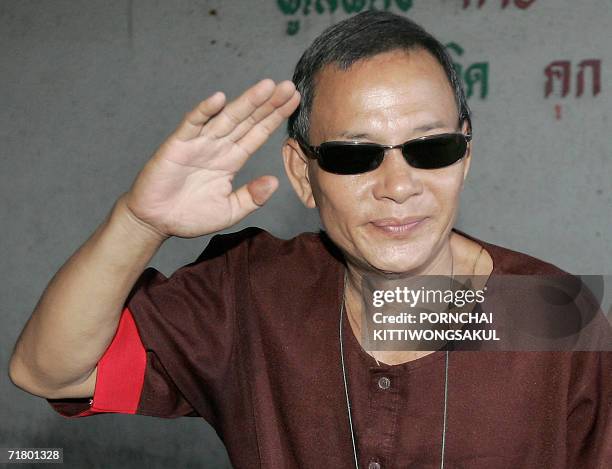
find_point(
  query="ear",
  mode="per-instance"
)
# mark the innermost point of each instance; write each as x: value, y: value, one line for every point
x: 468, y: 157
x: 296, y: 166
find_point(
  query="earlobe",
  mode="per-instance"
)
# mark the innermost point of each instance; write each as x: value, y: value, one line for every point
x: 296, y: 167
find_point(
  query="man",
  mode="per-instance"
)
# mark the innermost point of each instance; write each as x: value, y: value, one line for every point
x: 260, y: 336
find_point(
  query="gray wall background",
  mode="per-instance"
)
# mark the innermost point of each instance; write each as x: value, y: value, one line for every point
x: 89, y: 89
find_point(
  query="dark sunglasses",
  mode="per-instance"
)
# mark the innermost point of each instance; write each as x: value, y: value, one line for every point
x: 429, y: 152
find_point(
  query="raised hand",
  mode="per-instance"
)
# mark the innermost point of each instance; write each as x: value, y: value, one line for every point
x: 185, y: 189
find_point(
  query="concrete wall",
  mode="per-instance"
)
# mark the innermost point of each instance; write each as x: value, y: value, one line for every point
x: 89, y: 89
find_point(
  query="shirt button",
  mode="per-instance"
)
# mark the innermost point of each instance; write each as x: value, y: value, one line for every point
x: 384, y: 383
x: 374, y: 465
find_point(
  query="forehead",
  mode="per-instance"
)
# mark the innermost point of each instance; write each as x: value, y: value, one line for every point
x: 389, y: 91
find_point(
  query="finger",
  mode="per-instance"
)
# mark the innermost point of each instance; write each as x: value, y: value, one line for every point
x: 257, y: 136
x: 240, y: 109
x: 284, y: 92
x: 251, y: 196
x: 193, y: 121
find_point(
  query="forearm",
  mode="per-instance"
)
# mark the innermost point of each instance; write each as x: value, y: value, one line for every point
x: 78, y: 313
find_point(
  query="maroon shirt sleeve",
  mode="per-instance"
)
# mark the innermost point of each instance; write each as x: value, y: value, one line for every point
x: 120, y: 376
x: 589, y: 419
x: 172, y: 347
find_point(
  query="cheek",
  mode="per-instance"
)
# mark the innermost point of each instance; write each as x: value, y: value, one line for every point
x: 445, y: 186
x: 342, y: 197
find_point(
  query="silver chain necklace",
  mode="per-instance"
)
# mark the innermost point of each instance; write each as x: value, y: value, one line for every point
x: 348, y: 401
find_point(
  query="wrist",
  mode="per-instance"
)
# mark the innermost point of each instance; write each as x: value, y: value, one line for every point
x: 123, y: 216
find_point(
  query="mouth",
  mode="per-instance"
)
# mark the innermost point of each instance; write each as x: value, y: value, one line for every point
x: 398, y: 227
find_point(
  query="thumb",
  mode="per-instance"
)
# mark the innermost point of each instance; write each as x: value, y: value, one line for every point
x: 251, y: 196
x: 262, y: 188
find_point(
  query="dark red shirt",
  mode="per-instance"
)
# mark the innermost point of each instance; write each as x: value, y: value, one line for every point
x: 247, y: 338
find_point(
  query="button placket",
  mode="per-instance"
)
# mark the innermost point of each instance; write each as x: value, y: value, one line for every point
x: 383, y: 417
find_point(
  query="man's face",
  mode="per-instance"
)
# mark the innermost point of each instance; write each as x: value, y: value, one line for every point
x: 388, y: 99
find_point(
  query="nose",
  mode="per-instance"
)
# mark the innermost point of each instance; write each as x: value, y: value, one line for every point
x: 396, y: 180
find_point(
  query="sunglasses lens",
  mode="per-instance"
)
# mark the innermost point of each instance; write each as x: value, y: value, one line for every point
x: 436, y: 152
x: 347, y: 158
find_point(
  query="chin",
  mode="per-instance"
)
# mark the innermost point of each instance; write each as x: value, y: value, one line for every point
x: 397, y: 261
x: 393, y: 266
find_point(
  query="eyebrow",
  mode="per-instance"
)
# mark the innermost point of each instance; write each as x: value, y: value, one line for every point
x: 421, y: 128
x: 430, y: 126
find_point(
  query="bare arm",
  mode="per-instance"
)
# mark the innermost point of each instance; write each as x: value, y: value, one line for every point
x: 184, y: 190
x: 77, y: 315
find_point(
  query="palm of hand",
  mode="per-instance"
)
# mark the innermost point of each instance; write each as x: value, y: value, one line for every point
x: 186, y: 188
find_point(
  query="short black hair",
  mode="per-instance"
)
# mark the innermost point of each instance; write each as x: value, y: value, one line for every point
x: 359, y: 37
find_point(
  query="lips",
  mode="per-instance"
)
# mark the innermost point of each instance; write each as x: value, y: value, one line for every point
x: 397, y: 226
x: 396, y: 221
